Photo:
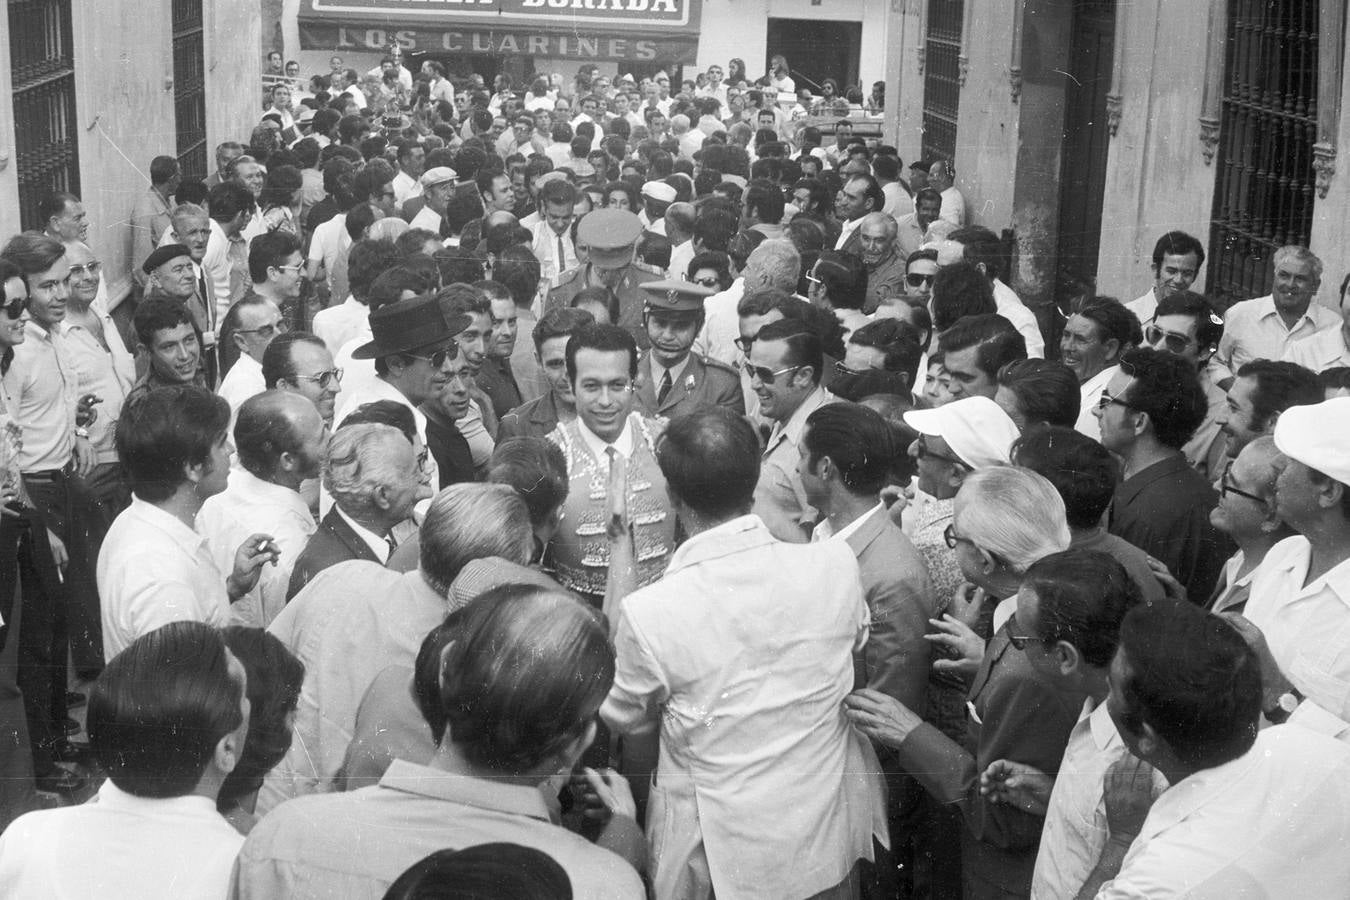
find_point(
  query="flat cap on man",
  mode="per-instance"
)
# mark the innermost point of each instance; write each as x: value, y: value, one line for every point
x: 979, y: 432
x: 161, y: 255
x: 1318, y: 436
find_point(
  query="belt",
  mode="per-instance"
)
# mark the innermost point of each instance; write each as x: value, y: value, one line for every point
x: 51, y: 474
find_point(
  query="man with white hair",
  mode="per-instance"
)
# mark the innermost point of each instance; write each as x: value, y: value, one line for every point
x: 773, y: 264
x: 1266, y: 327
x: 885, y: 266
x: 357, y: 617
x: 691, y: 139
x: 375, y: 478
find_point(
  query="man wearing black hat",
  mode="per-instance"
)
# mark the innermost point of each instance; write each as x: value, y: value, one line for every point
x: 671, y: 380
x: 610, y: 236
x: 413, y: 342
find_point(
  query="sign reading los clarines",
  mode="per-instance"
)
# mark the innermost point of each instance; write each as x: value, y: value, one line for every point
x: 582, y: 29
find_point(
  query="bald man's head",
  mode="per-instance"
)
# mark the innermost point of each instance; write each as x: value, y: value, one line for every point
x: 280, y: 437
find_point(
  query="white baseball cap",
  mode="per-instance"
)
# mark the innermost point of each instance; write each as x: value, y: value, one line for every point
x: 1318, y: 436
x: 976, y: 428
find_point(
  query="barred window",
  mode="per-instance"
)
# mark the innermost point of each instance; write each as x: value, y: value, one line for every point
x: 43, y: 69
x: 942, y: 77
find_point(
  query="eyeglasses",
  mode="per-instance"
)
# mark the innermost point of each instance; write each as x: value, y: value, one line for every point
x: 842, y: 369
x: 706, y: 282
x: 744, y: 344
x: 323, y: 379
x: 952, y: 538
x: 271, y: 329
x: 1020, y: 641
x: 295, y: 268
x: 92, y: 269
x: 1106, y: 400
x: 438, y: 358
x: 921, y: 450
x: 915, y: 279
x: 812, y: 278
x: 765, y: 375
x: 1226, y: 486
x: 14, y: 307
x: 1175, y: 343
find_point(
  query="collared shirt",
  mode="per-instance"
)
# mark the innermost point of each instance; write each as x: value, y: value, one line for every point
x: 658, y: 372
x: 909, y: 235
x: 1089, y: 393
x: 721, y: 325
x: 1254, y: 329
x: 355, y: 845
x: 681, y: 255
x: 623, y: 444
x: 1011, y: 307
x: 474, y: 431
x: 885, y: 280
x: 217, y: 267
x: 247, y: 506
x: 1307, y: 626
x: 378, y: 545
x: 758, y: 801
x: 351, y: 621
x: 1232, y: 591
x: 244, y: 380
x: 824, y: 531
x: 149, y: 220
x: 342, y: 322
x: 953, y: 207
x: 780, y: 498
x: 127, y: 846
x: 406, y: 187
x: 1144, y: 306
x: 545, y: 243
x: 1075, y: 822
x: 429, y: 219
x: 152, y: 570
x: 330, y: 241
x: 43, y: 386
x: 108, y: 373
x: 1324, y: 350
x: 846, y: 231
x: 898, y: 201
x: 1274, y: 822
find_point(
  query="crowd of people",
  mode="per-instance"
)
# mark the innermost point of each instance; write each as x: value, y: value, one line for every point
x: 781, y: 556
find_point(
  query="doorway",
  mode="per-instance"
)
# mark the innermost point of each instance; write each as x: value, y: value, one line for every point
x: 817, y: 50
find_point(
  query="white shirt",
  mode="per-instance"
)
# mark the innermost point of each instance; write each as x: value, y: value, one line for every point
x: 623, y: 444
x: 330, y: 241
x: 244, y: 380
x: 337, y: 325
x: 1306, y: 627
x: 544, y: 244
x: 248, y: 506
x: 1075, y: 822
x: 1324, y: 350
x: 474, y: 431
x: 953, y: 207
x: 1273, y: 823
x: 898, y: 201
x: 153, y: 570
x: 680, y: 257
x: 846, y: 232
x: 120, y: 845
x: 1144, y: 306
x: 741, y: 656
x: 427, y: 218
x: 1011, y: 307
x: 216, y: 267
x: 721, y: 325
x: 1089, y: 393
x: 406, y: 187
x: 1253, y: 329
x: 824, y: 531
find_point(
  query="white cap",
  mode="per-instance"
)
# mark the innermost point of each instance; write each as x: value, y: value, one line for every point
x: 659, y: 190
x: 1318, y: 436
x: 437, y: 175
x: 976, y: 428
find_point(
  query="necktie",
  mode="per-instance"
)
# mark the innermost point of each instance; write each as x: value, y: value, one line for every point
x: 393, y: 545
x: 665, y: 388
x: 562, y: 256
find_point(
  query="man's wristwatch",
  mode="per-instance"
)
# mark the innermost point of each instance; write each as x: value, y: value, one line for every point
x: 1284, y: 707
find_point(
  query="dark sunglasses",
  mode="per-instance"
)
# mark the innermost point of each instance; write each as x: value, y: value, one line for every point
x: 766, y: 376
x: 15, y: 307
x: 1175, y: 343
x: 438, y: 358
x: 915, y: 279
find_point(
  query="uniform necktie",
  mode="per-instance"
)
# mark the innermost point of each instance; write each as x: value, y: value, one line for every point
x: 665, y: 388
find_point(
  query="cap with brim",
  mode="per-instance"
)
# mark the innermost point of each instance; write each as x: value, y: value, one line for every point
x: 161, y: 255
x: 977, y: 430
x: 306, y: 116
x: 437, y: 175
x: 1318, y: 436
x: 675, y: 296
x: 409, y: 325
x: 610, y: 236
x: 659, y: 191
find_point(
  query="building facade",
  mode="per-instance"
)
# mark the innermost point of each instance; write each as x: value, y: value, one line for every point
x: 1084, y: 130
x: 91, y: 92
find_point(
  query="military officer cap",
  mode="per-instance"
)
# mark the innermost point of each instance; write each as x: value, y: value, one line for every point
x: 610, y: 236
x: 675, y: 296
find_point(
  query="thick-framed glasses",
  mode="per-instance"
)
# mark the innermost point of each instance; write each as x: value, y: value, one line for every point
x: 744, y: 344
x: 921, y: 450
x: 1175, y: 343
x: 268, y: 331
x: 15, y: 307
x: 916, y: 279
x: 438, y: 358
x: 950, y: 536
x: 91, y: 269
x: 1106, y: 400
x: 766, y: 375
x: 324, y: 379
x: 1227, y: 487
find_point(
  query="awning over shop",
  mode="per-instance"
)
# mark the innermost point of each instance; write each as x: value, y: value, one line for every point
x: 612, y: 30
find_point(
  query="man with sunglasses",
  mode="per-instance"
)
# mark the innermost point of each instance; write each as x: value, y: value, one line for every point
x: 1186, y: 325
x: 785, y: 366
x: 1149, y: 410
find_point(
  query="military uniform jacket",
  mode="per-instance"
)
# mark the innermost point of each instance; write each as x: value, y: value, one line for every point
x: 704, y: 382
x: 632, y: 297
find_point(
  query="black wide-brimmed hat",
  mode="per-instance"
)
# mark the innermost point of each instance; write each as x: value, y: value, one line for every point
x: 409, y: 325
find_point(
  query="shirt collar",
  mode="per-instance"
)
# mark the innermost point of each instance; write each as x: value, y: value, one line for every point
x: 254, y: 489
x: 623, y: 443
x: 796, y: 423
x: 824, y: 531
x: 378, y: 545
x: 1104, y: 733
x: 424, y: 781
x: 675, y: 371
x: 173, y: 527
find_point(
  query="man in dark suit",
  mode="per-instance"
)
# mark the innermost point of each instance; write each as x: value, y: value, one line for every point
x: 859, y: 196
x: 540, y: 416
x: 672, y: 381
x: 375, y: 477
